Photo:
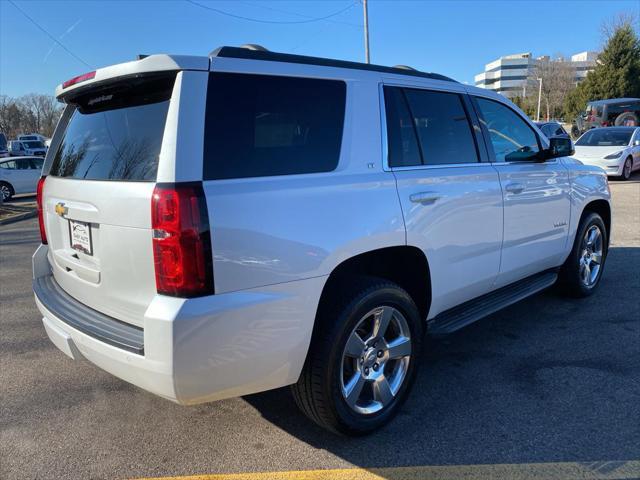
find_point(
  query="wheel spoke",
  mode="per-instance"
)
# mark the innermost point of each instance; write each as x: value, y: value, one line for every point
x: 596, y: 258
x: 382, y: 390
x: 381, y: 321
x: 593, y: 234
x: 586, y: 274
x: 355, y: 346
x: 354, y: 388
x: 399, y: 348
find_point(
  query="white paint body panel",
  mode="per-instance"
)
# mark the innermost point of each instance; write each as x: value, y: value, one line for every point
x: 276, y: 240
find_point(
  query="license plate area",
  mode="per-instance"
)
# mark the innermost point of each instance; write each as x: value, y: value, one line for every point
x: 80, y: 237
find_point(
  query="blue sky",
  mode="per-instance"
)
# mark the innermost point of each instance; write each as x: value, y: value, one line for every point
x: 455, y: 38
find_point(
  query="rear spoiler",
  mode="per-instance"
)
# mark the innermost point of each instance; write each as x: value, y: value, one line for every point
x: 152, y: 63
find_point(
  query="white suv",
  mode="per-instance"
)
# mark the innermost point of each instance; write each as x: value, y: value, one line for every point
x: 218, y: 226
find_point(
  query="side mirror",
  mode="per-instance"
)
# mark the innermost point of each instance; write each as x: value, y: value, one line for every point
x: 560, y: 147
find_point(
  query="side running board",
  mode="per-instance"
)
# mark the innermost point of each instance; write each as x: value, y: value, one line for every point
x: 462, y: 315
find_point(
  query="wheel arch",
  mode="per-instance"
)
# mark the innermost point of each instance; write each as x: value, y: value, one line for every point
x: 602, y: 208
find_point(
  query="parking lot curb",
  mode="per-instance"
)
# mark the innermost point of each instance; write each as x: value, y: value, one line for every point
x: 18, y: 217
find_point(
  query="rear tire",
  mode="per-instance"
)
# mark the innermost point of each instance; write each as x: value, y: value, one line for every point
x: 626, y: 169
x: 354, y: 380
x: 581, y: 273
x: 6, y: 190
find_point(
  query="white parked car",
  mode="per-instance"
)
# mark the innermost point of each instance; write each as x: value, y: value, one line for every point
x: 19, y: 175
x: 21, y: 148
x: 614, y: 149
x: 217, y: 226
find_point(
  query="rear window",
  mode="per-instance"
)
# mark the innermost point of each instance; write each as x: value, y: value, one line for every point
x: 115, y: 132
x: 259, y: 125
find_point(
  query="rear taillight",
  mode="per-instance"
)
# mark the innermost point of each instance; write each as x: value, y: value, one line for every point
x: 181, y: 240
x: 39, y: 189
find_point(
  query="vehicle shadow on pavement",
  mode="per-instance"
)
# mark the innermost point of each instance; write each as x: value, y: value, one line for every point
x: 548, y: 379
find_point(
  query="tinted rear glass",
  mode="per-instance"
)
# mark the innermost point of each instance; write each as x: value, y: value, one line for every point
x: 115, y: 132
x: 259, y: 125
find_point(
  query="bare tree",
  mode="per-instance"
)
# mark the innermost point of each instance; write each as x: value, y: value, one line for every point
x: 558, y: 79
x: 32, y: 113
x: 609, y: 27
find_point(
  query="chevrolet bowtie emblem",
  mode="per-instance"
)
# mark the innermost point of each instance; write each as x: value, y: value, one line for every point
x: 61, y: 209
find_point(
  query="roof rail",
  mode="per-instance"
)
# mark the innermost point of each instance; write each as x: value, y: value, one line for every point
x: 254, y: 47
x: 262, y: 54
x: 404, y: 67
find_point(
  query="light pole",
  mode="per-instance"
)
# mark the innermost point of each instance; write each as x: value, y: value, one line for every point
x: 366, y: 30
x: 539, y: 97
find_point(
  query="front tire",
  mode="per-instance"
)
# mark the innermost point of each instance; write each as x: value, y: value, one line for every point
x: 581, y: 273
x: 6, y: 190
x: 362, y: 359
x: 626, y: 169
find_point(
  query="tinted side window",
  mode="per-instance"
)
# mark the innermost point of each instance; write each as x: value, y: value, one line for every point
x: 36, y: 163
x: 511, y: 137
x: 23, y: 164
x: 443, y: 128
x: 401, y: 134
x: 259, y: 125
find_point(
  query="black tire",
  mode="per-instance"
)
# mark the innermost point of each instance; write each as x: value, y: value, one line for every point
x: 627, y: 119
x: 570, y: 280
x: 6, y: 190
x: 318, y: 392
x: 626, y: 169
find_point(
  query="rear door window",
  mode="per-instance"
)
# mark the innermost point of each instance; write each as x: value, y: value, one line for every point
x: 23, y: 164
x: 115, y: 133
x: 428, y: 127
x: 260, y: 125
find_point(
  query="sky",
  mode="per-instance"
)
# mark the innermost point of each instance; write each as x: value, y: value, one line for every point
x: 454, y: 38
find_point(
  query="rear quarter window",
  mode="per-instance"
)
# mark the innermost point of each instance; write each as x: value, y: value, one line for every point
x: 261, y: 125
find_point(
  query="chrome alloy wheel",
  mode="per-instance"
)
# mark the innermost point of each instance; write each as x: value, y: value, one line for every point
x: 375, y: 360
x: 591, y: 256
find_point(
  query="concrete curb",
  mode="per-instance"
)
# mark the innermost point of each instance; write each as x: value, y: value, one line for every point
x: 18, y: 217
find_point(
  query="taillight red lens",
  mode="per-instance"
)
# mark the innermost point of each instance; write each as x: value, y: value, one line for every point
x: 181, y: 240
x: 39, y: 189
x: 79, y: 79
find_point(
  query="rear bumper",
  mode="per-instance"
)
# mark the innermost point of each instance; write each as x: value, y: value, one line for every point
x: 194, y: 350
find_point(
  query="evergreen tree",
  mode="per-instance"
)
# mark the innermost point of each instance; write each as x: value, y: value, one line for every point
x: 616, y: 75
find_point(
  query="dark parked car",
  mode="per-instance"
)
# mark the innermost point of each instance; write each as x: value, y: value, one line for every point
x: 619, y: 112
x: 552, y: 129
x: 4, y: 151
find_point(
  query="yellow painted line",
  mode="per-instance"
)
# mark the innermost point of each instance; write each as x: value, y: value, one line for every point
x: 614, y: 470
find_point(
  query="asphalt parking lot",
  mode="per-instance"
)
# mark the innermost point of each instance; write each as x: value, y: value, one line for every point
x: 547, y: 380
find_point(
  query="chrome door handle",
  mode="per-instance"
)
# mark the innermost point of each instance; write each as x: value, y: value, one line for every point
x: 425, y: 198
x: 514, y: 188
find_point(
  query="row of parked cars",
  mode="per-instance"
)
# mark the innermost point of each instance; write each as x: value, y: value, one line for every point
x: 21, y: 162
x: 615, y: 149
